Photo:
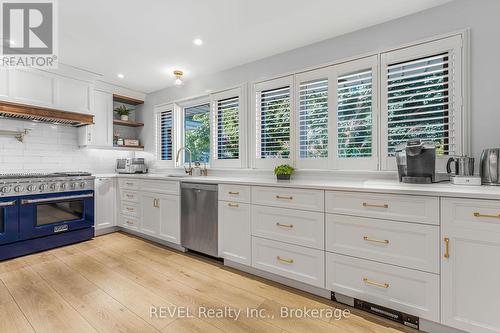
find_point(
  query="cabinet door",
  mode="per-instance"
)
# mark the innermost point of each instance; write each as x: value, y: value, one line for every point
x: 150, y: 214
x: 170, y: 221
x: 74, y: 95
x: 32, y: 87
x: 470, y: 270
x: 103, y: 119
x: 234, y: 232
x: 105, y: 203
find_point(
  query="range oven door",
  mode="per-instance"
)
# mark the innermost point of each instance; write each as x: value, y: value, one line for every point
x: 49, y: 214
x: 9, y: 224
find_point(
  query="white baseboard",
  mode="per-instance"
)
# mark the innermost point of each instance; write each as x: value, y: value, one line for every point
x: 104, y: 231
x: 154, y: 239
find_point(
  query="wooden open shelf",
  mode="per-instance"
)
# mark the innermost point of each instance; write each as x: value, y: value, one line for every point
x: 141, y: 147
x: 127, y: 100
x: 129, y: 123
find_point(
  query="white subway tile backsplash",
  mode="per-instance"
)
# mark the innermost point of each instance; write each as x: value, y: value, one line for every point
x: 49, y: 148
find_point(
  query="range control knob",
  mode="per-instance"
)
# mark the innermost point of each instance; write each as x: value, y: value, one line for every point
x: 53, y: 187
x: 63, y: 186
x: 43, y: 187
x: 82, y: 185
x: 18, y: 188
x: 31, y: 187
x: 73, y: 185
x: 5, y: 189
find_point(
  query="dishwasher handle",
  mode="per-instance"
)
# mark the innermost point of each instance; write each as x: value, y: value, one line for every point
x: 198, y: 186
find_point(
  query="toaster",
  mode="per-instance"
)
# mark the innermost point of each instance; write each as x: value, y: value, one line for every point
x: 131, y: 165
x: 489, y: 166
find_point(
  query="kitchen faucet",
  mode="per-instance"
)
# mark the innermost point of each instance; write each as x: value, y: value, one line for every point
x: 189, y: 170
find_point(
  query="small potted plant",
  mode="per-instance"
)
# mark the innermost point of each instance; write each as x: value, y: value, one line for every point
x: 283, y: 172
x: 123, y: 112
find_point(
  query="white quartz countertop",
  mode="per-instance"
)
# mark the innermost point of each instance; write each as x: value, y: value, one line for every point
x: 371, y: 185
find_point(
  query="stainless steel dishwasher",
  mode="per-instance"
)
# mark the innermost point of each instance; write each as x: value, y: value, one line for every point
x: 199, y: 225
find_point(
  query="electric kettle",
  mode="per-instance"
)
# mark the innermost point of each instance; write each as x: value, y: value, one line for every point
x: 489, y: 166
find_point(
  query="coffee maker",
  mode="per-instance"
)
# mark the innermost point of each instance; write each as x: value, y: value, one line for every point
x: 416, y: 162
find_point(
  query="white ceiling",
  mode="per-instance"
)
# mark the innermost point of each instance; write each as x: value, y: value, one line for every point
x: 146, y: 40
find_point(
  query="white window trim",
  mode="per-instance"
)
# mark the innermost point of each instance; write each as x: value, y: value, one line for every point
x: 179, y: 111
x: 313, y: 163
x: 452, y: 44
x: 357, y: 163
x: 271, y: 163
x: 242, y: 125
x: 157, y: 111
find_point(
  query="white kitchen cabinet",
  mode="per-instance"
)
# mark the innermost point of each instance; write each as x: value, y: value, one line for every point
x: 235, y: 232
x: 105, y: 202
x: 100, y: 134
x: 74, y: 95
x: 160, y: 216
x: 32, y: 87
x: 470, y: 270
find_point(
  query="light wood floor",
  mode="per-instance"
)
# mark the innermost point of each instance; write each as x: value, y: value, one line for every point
x: 109, y: 284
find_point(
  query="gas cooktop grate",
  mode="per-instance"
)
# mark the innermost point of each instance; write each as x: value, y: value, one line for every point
x: 43, y: 175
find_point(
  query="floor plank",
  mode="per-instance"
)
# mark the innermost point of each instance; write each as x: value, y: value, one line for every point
x: 42, y: 306
x: 98, y: 308
x: 110, y: 284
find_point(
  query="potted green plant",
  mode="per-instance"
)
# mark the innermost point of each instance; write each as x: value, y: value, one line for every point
x: 283, y: 171
x: 123, y: 112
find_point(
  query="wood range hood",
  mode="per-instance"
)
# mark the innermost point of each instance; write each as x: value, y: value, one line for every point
x: 46, y: 115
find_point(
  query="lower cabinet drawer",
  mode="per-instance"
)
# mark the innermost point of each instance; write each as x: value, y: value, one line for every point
x: 129, y: 222
x: 410, y: 291
x: 127, y: 183
x: 291, y: 261
x: 289, y: 225
x: 130, y: 209
x: 131, y: 196
x: 409, y: 245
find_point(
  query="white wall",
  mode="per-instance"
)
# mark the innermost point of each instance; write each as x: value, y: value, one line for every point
x: 481, y: 16
x: 50, y: 148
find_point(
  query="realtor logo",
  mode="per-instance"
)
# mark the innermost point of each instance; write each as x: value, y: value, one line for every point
x: 28, y: 33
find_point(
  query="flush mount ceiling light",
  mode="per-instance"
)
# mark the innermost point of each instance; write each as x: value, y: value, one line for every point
x: 121, y: 76
x: 197, y: 42
x: 178, y: 74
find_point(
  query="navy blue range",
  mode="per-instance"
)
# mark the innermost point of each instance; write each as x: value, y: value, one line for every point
x: 43, y: 211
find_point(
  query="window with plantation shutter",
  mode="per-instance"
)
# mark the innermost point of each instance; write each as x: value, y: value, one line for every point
x: 227, y: 136
x: 165, y: 128
x: 418, y: 103
x: 273, y: 123
x: 422, y: 98
x: 313, y: 119
x: 354, y: 114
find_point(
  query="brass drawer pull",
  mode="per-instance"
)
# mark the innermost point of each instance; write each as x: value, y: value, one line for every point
x: 233, y: 205
x: 288, y: 261
x: 284, y: 197
x: 365, y: 204
x: 284, y: 225
x: 129, y: 222
x: 383, y: 241
x: 446, y: 247
x: 130, y: 184
x: 130, y: 209
x: 376, y: 284
x: 130, y: 196
x: 234, y: 193
x: 476, y: 214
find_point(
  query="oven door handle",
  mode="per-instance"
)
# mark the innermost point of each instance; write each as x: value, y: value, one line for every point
x: 68, y: 197
x: 8, y: 203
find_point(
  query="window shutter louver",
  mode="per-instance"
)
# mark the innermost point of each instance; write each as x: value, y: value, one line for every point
x: 313, y: 119
x: 418, y: 103
x: 227, y: 145
x: 354, y: 115
x: 273, y: 123
x: 166, y: 135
